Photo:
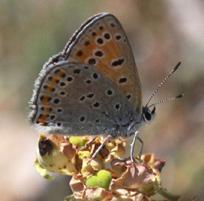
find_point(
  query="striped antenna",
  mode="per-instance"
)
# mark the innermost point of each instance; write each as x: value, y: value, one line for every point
x: 163, y: 82
x: 166, y: 100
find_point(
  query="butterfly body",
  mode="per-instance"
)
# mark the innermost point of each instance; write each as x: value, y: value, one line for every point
x: 92, y: 87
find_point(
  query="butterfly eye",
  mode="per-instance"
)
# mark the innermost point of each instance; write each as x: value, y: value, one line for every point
x: 147, y: 114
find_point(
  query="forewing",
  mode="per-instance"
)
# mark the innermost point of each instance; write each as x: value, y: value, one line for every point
x: 102, y: 42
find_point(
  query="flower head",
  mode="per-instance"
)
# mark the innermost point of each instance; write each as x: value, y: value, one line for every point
x: 109, y: 176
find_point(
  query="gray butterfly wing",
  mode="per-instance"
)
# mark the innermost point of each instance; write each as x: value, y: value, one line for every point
x: 76, y: 99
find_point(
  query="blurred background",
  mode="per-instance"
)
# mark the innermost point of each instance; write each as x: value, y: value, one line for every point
x: 161, y: 33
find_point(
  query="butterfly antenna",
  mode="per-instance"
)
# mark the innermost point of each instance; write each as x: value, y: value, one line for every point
x: 163, y: 82
x: 166, y: 100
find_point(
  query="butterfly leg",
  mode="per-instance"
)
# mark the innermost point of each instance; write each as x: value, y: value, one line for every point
x: 132, y: 146
x: 141, y: 147
x: 107, y: 138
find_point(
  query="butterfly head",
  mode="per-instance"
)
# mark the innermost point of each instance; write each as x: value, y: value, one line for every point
x: 148, y: 111
x: 147, y: 115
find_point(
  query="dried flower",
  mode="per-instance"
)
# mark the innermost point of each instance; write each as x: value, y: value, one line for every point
x: 108, y: 177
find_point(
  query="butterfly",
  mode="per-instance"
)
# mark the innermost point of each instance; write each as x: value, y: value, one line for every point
x: 92, y: 87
